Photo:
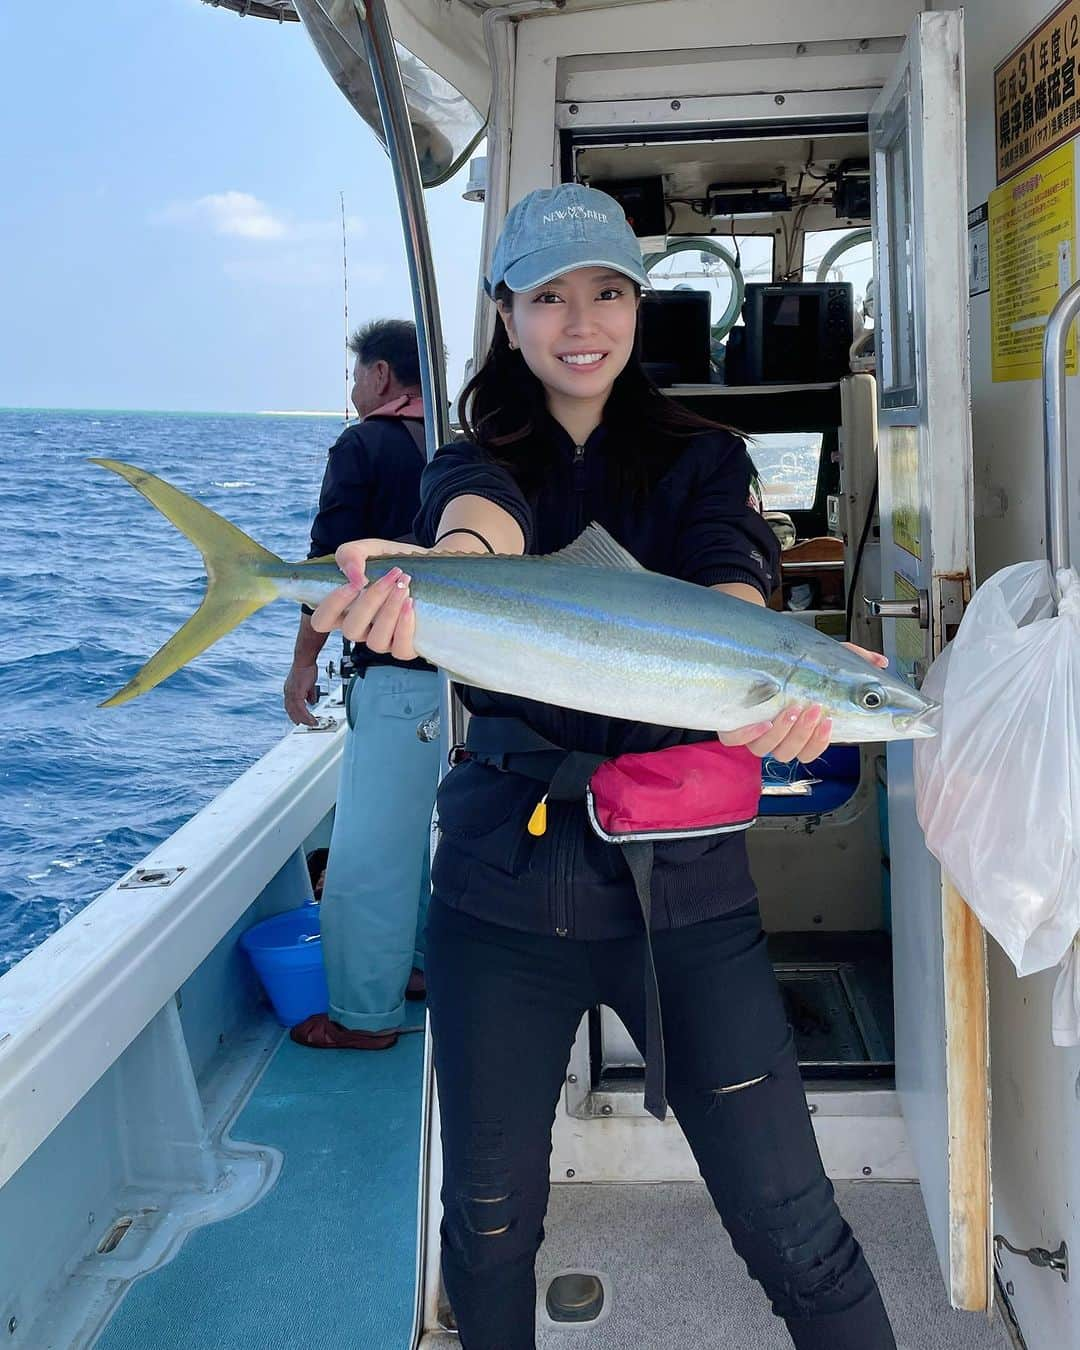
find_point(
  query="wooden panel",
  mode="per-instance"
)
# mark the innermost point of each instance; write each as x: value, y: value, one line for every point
x: 967, y: 1067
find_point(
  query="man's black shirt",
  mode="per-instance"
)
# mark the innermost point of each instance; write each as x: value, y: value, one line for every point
x: 370, y: 489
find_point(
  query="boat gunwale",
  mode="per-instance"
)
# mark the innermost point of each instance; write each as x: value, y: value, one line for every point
x: 72, y: 1006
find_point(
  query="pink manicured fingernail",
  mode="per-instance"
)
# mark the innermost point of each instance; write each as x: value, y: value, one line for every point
x: 407, y: 605
x: 403, y: 580
x: 792, y: 716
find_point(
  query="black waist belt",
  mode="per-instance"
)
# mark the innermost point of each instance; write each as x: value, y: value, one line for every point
x: 511, y: 746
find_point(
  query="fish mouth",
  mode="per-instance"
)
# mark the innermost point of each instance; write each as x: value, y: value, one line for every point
x: 923, y: 724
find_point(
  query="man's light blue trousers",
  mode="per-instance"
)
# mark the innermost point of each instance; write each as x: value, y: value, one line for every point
x: 374, y: 904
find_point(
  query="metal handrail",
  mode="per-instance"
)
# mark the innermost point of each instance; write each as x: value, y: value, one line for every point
x: 401, y: 146
x: 1055, y: 438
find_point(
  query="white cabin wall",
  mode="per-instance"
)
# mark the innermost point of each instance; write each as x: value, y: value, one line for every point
x: 1036, y: 1087
x: 669, y: 25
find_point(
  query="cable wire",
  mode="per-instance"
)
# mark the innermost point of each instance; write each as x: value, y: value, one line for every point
x: 849, y: 607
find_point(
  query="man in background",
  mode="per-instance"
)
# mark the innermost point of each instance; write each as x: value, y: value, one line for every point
x: 374, y: 902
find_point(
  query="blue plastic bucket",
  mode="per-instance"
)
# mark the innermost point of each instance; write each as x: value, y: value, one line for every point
x: 286, y: 952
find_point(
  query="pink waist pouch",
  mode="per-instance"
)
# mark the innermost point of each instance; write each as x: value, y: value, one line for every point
x: 687, y: 790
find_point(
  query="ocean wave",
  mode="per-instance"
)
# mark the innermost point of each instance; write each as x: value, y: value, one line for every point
x: 93, y: 582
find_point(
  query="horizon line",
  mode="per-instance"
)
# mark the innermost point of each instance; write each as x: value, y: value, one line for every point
x: 182, y: 412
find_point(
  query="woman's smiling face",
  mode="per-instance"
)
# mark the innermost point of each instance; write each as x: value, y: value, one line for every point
x: 576, y: 333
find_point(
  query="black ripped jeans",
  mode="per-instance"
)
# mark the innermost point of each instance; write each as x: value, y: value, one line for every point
x: 505, y: 1006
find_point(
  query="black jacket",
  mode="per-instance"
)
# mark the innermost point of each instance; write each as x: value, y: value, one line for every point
x: 698, y: 524
x: 370, y: 489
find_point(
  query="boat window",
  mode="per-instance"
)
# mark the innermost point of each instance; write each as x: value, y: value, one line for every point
x: 721, y: 265
x: 788, y: 463
x: 841, y: 255
x: 446, y: 126
x: 896, y: 262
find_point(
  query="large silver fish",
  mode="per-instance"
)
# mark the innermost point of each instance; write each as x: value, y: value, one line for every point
x: 586, y: 628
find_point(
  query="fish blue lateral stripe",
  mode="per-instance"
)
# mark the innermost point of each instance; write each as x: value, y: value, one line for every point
x: 587, y: 631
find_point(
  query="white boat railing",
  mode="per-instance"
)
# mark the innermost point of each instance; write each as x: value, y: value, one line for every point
x: 72, y: 1007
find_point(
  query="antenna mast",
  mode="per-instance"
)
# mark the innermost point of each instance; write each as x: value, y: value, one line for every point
x: 345, y: 280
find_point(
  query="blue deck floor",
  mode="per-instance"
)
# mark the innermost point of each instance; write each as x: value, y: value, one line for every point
x: 327, y: 1257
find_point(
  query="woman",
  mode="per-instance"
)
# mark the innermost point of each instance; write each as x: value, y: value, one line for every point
x: 526, y: 931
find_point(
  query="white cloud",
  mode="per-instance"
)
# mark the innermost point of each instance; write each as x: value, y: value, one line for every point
x: 241, y: 215
x: 236, y: 214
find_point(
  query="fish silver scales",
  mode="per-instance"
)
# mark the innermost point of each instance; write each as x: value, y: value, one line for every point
x: 638, y: 645
x: 588, y: 628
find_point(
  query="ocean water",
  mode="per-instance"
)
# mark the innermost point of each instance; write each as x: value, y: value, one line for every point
x: 93, y: 580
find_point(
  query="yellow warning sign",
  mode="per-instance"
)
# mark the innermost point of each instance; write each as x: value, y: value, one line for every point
x: 1032, y: 244
x: 903, y: 445
x: 1036, y: 100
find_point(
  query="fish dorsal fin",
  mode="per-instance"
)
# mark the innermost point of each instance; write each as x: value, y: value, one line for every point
x: 594, y: 547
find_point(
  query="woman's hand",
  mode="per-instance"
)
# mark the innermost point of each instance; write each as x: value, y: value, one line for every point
x: 875, y: 658
x: 380, y: 614
x: 353, y: 557
x: 799, y: 732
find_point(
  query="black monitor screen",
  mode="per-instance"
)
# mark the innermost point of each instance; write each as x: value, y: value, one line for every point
x: 791, y: 322
x: 676, y: 337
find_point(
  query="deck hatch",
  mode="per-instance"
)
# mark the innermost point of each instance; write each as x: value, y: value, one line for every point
x: 575, y: 1297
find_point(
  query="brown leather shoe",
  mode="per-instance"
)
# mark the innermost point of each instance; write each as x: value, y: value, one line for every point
x: 416, y: 989
x: 321, y: 1033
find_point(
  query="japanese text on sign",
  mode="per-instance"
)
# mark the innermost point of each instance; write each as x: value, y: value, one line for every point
x: 1035, y: 92
x: 1032, y: 240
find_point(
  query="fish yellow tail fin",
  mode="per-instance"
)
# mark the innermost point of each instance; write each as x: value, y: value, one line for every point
x: 237, y: 584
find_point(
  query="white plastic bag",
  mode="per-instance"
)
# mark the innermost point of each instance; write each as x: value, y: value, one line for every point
x: 997, y: 792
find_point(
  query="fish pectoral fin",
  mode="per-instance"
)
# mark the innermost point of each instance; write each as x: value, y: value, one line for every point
x: 762, y: 690
x: 594, y: 547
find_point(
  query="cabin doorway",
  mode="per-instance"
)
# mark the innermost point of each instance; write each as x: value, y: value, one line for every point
x: 791, y: 240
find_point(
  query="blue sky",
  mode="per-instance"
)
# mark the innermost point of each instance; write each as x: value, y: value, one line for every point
x: 170, y: 219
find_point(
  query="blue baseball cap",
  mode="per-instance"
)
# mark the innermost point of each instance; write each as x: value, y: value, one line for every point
x: 554, y: 230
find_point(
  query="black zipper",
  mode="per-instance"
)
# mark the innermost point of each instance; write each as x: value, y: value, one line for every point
x: 562, y: 878
x: 579, y: 489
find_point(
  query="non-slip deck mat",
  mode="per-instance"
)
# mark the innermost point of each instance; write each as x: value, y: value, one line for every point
x: 677, y: 1284
x: 327, y: 1257
x: 326, y: 1260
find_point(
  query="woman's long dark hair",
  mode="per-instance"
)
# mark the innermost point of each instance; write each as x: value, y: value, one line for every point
x: 503, y: 410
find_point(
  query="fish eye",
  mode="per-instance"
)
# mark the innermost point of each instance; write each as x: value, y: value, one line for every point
x: 872, y: 697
